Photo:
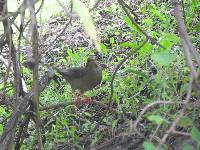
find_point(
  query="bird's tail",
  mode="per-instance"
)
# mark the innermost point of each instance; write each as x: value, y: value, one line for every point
x: 61, y: 72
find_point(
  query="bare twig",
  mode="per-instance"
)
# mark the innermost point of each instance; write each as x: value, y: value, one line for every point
x: 130, y: 9
x: 61, y: 32
x: 12, y: 50
x: 9, y: 129
x: 27, y: 23
x: 187, y: 45
x: 22, y: 131
x: 95, y: 5
x: 35, y: 45
x: 147, y: 107
x: 66, y: 11
x: 181, y: 113
x: 119, y: 66
x: 181, y: 133
x: 8, y: 16
x: 153, y: 41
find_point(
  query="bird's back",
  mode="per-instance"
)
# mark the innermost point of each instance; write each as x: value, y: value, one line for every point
x: 82, y: 78
x: 87, y: 81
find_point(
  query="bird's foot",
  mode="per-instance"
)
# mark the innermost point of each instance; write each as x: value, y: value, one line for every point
x: 77, y: 103
x: 87, y: 100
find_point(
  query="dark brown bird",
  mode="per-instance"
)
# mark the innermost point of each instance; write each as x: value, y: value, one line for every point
x: 83, y: 78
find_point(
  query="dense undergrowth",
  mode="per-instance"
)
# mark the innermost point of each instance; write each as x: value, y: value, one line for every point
x: 156, y: 72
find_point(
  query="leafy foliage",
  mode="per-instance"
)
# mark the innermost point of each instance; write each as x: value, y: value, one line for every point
x: 152, y: 73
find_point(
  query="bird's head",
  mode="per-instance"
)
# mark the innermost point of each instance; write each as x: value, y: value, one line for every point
x: 92, y: 62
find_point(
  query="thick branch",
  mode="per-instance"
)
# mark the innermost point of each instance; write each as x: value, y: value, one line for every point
x: 187, y: 45
x: 35, y: 45
x: 21, y: 109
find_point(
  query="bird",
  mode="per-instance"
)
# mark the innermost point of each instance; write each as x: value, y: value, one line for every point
x: 83, y: 78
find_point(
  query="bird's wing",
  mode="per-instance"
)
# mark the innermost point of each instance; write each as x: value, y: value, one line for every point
x: 73, y: 72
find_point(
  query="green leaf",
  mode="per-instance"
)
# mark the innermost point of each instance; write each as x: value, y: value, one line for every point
x: 148, y: 146
x: 112, y: 40
x: 156, y: 12
x: 163, y: 58
x: 130, y: 70
x: 104, y: 48
x: 127, y: 44
x: 87, y: 114
x: 146, y: 49
x: 105, y: 75
x: 185, y: 122
x: 166, y: 43
x: 62, y: 61
x: 114, y: 124
x: 188, y: 147
x: 117, y: 33
x: 1, y: 128
x: 21, y: 57
x: 85, y: 17
x: 148, y: 21
x: 169, y: 39
x: 69, y: 52
x: 131, y: 25
x: 172, y: 37
x: 156, y: 118
x: 2, y: 111
x: 195, y: 134
x: 1, y: 84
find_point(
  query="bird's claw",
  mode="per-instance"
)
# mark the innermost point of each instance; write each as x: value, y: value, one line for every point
x: 87, y: 100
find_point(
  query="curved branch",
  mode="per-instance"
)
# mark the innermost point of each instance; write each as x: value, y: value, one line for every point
x: 147, y: 107
x: 119, y: 66
x: 181, y: 114
x: 153, y: 41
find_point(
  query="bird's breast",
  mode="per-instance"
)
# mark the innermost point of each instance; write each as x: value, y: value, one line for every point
x: 93, y: 78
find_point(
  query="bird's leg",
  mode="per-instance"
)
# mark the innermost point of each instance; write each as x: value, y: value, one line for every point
x: 78, y: 99
x: 87, y: 100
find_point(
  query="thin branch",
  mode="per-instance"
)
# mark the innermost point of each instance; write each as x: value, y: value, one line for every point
x: 181, y: 114
x: 147, y: 107
x: 8, y: 16
x: 130, y: 9
x: 119, y: 66
x: 59, y: 34
x: 40, y: 7
x: 35, y: 45
x: 66, y: 11
x: 187, y: 45
x: 95, y: 5
x: 181, y: 133
x: 12, y: 51
x: 9, y: 129
x: 22, y: 131
x: 153, y: 41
